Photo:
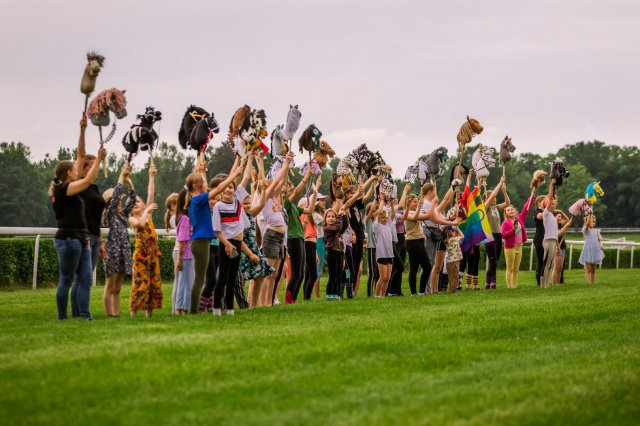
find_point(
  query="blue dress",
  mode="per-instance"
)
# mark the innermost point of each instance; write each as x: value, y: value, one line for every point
x: 591, y: 252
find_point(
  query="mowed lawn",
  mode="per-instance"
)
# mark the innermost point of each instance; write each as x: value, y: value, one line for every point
x: 567, y: 355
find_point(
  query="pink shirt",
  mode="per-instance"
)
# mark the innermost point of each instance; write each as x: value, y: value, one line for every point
x: 183, y: 231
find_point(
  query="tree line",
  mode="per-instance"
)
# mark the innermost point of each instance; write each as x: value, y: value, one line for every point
x: 24, y: 183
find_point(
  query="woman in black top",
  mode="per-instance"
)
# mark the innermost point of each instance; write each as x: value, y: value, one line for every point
x: 94, y: 205
x: 72, y: 238
x: 539, y: 236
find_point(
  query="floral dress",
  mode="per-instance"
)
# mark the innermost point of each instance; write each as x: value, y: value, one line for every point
x: 118, y: 245
x: 146, y: 291
x: 248, y: 269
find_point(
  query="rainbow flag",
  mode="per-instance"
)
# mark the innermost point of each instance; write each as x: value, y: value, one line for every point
x: 475, y: 227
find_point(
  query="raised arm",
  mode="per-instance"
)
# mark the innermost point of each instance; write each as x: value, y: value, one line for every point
x: 564, y: 228
x: 279, y: 179
x: 152, y: 183
x: 495, y: 191
x: 447, y: 199
x: 138, y: 222
x: 80, y: 185
x: 354, y: 197
x: 506, y: 201
x: 257, y: 208
x: 403, y: 197
x: 247, y: 171
x: 298, y: 189
x: 81, y: 151
x: 550, y: 196
x: 228, y: 181
x: 314, y: 197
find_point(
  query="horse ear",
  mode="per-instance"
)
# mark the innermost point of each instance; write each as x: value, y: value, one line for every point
x: 467, y: 118
x: 296, y: 106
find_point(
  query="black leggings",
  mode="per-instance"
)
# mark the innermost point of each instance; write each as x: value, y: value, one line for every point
x: 539, y: 259
x: 227, y: 277
x: 348, y: 282
x: 334, y: 263
x: 210, y: 282
x: 493, y: 250
x: 471, y: 261
x: 418, y: 259
x: 374, y: 272
x: 395, y: 283
x: 296, y: 274
x: 311, y: 272
x: 357, y: 253
x: 283, y: 262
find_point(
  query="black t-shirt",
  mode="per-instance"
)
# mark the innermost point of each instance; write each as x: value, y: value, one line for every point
x: 355, y: 219
x: 69, y: 211
x: 539, y: 236
x: 93, y: 207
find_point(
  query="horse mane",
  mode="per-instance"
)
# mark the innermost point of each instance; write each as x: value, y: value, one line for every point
x: 292, y: 123
x: 188, y: 124
x: 95, y: 56
x: 237, y: 122
x: 306, y: 139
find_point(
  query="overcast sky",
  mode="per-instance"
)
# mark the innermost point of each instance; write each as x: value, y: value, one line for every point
x: 398, y: 75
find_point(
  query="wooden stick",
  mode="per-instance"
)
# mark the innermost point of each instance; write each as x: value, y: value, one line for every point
x: 504, y: 169
x: 86, y: 101
x: 104, y: 161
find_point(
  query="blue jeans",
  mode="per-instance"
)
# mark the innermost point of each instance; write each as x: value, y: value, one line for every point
x: 185, y: 284
x: 74, y: 261
x: 95, y: 254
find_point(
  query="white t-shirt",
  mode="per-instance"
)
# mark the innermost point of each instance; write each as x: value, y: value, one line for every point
x: 230, y: 218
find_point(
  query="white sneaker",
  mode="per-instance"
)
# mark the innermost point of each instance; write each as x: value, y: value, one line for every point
x: 230, y: 312
x: 217, y: 312
x: 276, y: 302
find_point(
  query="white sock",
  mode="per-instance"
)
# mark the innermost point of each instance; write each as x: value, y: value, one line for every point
x: 230, y: 312
x: 217, y: 312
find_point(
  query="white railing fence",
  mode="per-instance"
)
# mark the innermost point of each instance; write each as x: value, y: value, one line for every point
x: 50, y: 232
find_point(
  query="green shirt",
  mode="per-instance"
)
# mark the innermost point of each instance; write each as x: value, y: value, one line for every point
x: 294, y: 228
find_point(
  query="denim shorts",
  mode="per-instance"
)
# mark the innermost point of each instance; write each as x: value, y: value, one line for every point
x: 273, y: 244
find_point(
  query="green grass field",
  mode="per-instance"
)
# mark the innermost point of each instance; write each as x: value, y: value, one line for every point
x: 567, y: 355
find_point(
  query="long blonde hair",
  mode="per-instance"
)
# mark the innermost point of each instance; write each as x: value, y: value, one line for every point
x: 192, y: 180
x: 170, y: 201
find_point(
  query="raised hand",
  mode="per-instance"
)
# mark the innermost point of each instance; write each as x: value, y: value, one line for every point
x: 83, y: 122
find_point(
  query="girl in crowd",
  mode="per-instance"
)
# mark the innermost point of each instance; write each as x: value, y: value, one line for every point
x: 558, y: 263
x: 229, y: 223
x: 348, y: 238
x: 514, y: 235
x: 184, y: 264
x: 453, y: 237
x: 550, y: 241
x: 384, y: 246
x: 318, y: 218
x: 355, y: 221
x: 273, y: 243
x: 416, y: 246
x: 400, y: 247
x: 201, y: 223
x: 93, y: 209
x: 494, y: 248
x: 118, y: 262
x: 253, y: 265
x: 334, y: 226
x: 295, y: 235
x: 310, y: 231
x: 146, y: 290
x: 170, y: 204
x: 592, y: 253
x: 372, y: 268
x: 71, y: 241
x: 539, y: 236
x: 432, y: 213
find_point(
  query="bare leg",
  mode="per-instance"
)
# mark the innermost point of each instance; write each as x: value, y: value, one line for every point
x: 266, y: 292
x: 558, y: 263
x: 254, y: 291
x: 587, y: 274
x: 355, y: 290
x: 106, y: 297
x: 438, y: 263
x: 316, y: 289
x: 115, y: 295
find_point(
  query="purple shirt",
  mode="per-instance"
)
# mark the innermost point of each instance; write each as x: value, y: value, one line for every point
x: 183, y: 231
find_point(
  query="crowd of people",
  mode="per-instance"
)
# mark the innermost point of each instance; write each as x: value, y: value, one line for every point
x: 240, y: 227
